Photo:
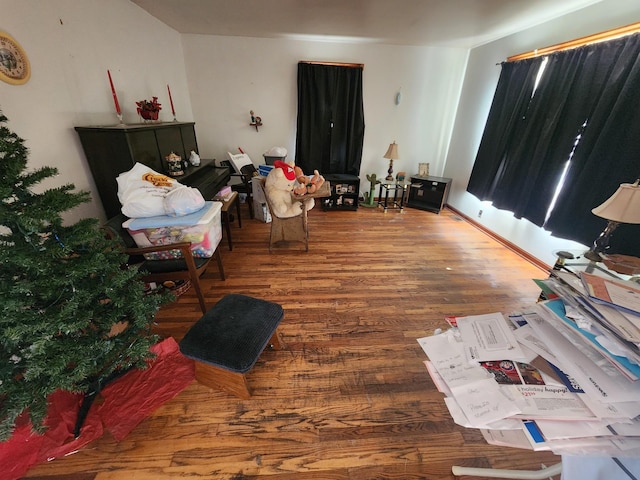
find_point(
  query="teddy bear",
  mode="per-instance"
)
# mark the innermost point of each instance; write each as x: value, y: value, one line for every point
x: 307, y: 184
x: 279, y: 187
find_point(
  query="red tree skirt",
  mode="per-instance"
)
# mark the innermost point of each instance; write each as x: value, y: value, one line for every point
x: 127, y: 401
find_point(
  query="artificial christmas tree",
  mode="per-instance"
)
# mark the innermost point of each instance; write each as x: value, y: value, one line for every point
x: 71, y: 317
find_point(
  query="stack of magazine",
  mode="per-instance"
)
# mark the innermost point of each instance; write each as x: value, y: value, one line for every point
x: 563, y: 376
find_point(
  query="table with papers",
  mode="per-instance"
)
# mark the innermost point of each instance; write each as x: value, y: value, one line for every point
x: 563, y: 376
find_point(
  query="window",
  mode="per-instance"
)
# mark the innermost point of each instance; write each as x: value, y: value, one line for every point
x: 330, y: 126
x: 558, y: 143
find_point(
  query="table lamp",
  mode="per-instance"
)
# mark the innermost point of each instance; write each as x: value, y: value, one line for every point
x: 622, y: 207
x: 392, y: 154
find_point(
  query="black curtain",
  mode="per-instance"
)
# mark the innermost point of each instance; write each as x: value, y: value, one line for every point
x: 587, y: 98
x: 555, y: 122
x: 608, y: 153
x: 508, y: 111
x: 330, y: 127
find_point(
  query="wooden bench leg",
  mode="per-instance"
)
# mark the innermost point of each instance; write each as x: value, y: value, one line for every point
x: 274, y: 342
x: 216, y: 377
x: 231, y: 382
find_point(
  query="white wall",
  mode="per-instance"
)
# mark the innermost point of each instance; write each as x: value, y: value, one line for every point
x: 70, y: 45
x: 229, y: 76
x: 479, y: 85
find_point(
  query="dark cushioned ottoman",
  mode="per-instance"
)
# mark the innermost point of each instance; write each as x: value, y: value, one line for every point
x: 227, y: 341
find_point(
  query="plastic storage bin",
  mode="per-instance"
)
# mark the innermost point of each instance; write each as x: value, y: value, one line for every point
x: 264, y: 170
x: 260, y: 209
x: 269, y: 160
x: 202, y: 228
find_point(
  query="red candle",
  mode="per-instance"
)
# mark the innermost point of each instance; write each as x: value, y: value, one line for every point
x: 113, y: 92
x: 173, y: 110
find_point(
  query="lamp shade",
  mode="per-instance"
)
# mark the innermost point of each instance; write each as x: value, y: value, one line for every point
x: 623, y: 206
x: 392, y: 152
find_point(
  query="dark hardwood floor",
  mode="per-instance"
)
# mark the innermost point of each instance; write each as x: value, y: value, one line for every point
x: 348, y: 397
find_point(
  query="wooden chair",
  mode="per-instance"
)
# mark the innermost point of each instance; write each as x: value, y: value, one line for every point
x: 186, y: 268
x: 291, y: 229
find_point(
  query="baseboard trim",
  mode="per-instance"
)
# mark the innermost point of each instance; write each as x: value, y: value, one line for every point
x: 503, y: 241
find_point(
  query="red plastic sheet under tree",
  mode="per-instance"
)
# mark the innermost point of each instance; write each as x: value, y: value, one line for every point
x: 125, y: 403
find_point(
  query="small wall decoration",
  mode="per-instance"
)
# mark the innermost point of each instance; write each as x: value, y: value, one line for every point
x: 14, y: 64
x: 398, y: 98
x: 255, y: 121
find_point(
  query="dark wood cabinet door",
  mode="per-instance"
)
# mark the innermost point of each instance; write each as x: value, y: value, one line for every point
x: 428, y: 193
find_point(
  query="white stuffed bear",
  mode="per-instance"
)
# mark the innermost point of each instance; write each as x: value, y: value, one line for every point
x: 278, y: 187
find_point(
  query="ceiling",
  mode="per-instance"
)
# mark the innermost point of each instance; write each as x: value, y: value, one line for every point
x: 452, y: 23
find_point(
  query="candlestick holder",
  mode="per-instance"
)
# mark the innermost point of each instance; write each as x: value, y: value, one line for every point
x: 120, y: 120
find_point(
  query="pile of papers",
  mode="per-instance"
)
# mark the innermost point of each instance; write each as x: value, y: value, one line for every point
x: 563, y: 376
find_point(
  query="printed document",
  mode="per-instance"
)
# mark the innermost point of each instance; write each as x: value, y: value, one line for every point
x: 489, y: 338
x: 447, y: 356
x: 624, y: 295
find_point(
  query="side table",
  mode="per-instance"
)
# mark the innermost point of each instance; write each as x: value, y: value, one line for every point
x: 344, y: 193
x: 429, y: 193
x: 399, y: 190
x: 226, y: 218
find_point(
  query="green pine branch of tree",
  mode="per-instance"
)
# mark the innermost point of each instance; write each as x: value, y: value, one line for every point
x: 62, y: 291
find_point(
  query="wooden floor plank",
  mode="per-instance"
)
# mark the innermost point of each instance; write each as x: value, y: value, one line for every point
x: 348, y: 397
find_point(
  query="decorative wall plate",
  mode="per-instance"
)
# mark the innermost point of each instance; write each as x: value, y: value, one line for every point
x: 14, y: 64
